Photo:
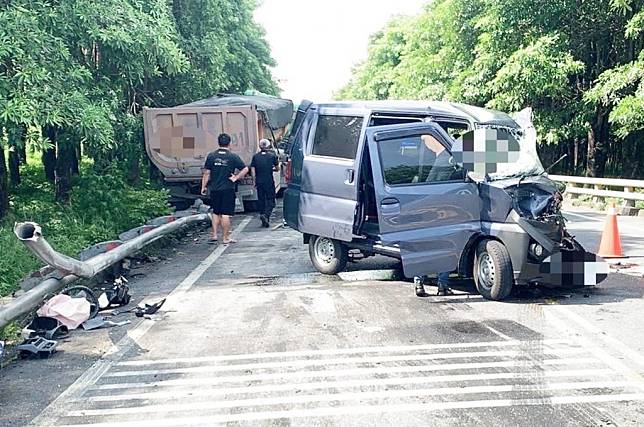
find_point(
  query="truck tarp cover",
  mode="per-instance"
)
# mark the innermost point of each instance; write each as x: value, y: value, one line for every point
x: 278, y: 111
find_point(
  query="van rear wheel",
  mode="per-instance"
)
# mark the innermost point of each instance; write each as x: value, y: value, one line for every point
x: 493, y: 272
x: 327, y: 255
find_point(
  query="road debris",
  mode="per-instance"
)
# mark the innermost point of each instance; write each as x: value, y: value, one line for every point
x: 141, y: 311
x: 71, y: 312
x: 38, y: 346
x: 45, y: 327
x: 101, y: 322
x: 117, y: 295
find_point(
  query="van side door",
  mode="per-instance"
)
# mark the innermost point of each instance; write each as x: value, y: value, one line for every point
x: 426, y: 206
x: 329, y: 186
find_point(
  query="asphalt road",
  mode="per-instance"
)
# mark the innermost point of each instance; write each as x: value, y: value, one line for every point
x: 251, y: 335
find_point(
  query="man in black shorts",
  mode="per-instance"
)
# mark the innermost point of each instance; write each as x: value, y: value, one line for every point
x: 262, y: 167
x: 220, y: 178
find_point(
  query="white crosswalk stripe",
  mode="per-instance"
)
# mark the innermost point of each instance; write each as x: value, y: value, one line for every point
x: 326, y: 383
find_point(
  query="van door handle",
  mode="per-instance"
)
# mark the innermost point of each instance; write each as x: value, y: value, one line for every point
x: 351, y: 175
x: 390, y: 206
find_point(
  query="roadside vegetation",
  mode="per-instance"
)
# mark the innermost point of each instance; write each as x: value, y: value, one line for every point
x: 580, y: 65
x: 74, y: 78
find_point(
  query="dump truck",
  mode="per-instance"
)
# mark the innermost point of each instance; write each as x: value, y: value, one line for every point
x: 178, y: 139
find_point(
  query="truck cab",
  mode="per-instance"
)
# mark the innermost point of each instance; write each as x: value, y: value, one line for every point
x: 390, y: 178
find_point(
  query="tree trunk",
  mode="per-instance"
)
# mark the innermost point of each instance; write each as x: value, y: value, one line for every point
x: 49, y: 155
x: 14, y: 165
x: 75, y: 160
x: 4, y: 187
x: 23, y: 154
x: 64, y: 172
x: 597, y: 143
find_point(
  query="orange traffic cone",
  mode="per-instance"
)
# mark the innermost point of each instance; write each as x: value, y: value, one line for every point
x: 611, y: 244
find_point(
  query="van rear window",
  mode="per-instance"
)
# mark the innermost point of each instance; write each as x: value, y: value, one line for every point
x: 337, y: 136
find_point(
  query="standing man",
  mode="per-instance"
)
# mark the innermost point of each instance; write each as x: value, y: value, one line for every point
x: 220, y: 178
x: 262, y: 166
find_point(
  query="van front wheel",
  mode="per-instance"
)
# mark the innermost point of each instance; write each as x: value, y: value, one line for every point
x: 327, y: 255
x: 493, y: 273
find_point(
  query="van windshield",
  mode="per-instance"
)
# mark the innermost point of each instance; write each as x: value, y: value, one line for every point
x: 528, y: 163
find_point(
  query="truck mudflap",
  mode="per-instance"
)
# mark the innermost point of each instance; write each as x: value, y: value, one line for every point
x: 567, y: 268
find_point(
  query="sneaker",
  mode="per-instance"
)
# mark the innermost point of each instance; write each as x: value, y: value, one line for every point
x: 264, y: 221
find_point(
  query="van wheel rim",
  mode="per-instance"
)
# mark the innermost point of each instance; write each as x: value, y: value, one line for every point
x: 486, y: 271
x: 325, y: 250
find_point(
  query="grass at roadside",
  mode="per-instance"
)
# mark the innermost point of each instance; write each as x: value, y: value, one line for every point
x: 102, y: 206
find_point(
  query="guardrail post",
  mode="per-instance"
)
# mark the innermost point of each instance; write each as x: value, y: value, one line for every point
x: 597, y: 199
x: 628, y: 205
x: 572, y: 195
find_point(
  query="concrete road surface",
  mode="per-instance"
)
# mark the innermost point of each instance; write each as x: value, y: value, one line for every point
x: 251, y: 335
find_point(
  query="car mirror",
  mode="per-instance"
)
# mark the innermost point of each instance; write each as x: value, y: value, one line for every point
x: 483, y: 150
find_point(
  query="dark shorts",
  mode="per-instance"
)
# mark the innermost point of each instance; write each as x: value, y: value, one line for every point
x: 222, y: 202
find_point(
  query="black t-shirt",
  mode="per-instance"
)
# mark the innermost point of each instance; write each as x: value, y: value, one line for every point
x: 263, y: 162
x: 222, y: 164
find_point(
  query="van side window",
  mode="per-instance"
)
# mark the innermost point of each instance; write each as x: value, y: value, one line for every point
x: 337, y: 136
x: 417, y: 159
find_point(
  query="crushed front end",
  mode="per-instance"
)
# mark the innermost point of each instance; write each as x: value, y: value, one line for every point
x: 553, y: 256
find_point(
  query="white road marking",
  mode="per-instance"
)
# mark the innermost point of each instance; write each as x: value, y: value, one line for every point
x: 369, y: 409
x: 340, y: 351
x: 589, y: 218
x: 251, y: 389
x: 346, y: 372
x: 343, y: 397
x: 600, y: 354
x: 599, y: 334
x: 339, y: 361
x: 58, y: 407
x: 499, y: 333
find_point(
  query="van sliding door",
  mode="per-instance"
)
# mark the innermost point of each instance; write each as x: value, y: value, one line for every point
x: 328, y: 197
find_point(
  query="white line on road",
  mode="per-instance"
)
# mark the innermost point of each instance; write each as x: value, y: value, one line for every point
x: 343, y: 397
x: 340, y: 361
x: 58, y: 407
x: 368, y: 409
x: 250, y: 389
x: 532, y: 364
x: 590, y: 218
x: 592, y: 346
x: 599, y: 334
x: 340, y: 351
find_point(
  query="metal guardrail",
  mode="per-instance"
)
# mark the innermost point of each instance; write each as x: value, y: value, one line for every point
x: 72, y: 269
x: 601, y: 187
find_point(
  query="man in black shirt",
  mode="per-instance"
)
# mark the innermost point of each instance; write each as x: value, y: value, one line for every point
x: 262, y: 166
x: 220, y: 178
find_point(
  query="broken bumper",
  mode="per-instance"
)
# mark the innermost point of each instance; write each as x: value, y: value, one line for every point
x: 567, y: 268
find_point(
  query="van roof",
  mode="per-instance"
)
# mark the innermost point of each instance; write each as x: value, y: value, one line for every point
x: 476, y: 114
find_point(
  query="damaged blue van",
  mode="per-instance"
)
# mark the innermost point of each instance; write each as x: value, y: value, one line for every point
x: 409, y: 180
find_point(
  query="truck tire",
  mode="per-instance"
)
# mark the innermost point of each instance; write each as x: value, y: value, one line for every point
x: 493, y: 272
x: 327, y: 255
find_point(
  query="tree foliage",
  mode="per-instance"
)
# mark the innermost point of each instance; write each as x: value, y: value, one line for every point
x: 76, y: 73
x: 579, y: 64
